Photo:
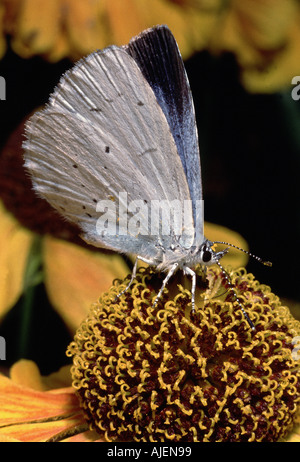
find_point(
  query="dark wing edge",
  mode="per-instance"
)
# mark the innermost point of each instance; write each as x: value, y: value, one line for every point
x: 157, y: 55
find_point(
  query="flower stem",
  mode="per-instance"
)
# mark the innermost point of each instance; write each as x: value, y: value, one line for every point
x: 33, y: 276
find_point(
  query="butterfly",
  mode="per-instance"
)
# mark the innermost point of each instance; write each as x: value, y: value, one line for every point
x: 118, y: 138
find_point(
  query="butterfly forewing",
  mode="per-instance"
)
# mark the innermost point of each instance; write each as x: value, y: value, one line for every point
x: 159, y: 59
x: 104, y: 133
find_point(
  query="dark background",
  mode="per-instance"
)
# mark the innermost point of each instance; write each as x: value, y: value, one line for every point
x: 250, y: 155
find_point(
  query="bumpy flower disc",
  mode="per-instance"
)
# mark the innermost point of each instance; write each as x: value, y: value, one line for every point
x: 163, y: 373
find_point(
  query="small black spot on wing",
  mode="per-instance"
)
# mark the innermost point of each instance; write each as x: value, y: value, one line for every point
x: 95, y: 109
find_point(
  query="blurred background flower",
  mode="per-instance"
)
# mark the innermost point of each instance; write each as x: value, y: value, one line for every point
x: 263, y: 34
x: 59, y: 29
x: 240, y: 58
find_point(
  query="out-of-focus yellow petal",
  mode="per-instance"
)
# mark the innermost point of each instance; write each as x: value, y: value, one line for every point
x: 75, y: 277
x: 37, y: 27
x: 85, y: 26
x: 15, y: 243
x: 60, y: 379
x: 280, y: 72
x: 61, y: 48
x: 198, y: 35
x: 11, y: 8
x: 26, y: 373
x: 235, y: 258
x: 74, y: 28
x: 124, y: 19
x: 270, y: 25
x: 266, y: 22
x: 264, y: 36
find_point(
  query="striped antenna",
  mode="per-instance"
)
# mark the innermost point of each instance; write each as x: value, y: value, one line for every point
x: 264, y: 262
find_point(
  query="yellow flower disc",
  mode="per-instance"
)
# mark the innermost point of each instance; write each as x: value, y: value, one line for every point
x: 164, y: 373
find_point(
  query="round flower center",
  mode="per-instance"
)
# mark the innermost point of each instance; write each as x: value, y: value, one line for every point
x: 162, y: 373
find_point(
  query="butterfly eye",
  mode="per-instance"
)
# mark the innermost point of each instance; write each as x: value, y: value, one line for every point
x: 206, y: 257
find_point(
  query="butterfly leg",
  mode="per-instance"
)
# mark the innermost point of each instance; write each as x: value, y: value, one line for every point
x: 192, y: 273
x: 165, y: 282
x: 133, y: 274
x: 227, y: 277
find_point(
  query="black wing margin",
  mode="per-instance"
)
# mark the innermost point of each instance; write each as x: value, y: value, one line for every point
x: 157, y: 55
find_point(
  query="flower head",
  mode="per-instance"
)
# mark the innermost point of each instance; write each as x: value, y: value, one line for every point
x: 165, y: 373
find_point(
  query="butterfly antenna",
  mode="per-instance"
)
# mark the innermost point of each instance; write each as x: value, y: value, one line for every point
x: 264, y: 262
x: 227, y: 277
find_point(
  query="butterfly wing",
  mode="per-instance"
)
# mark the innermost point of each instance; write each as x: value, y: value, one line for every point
x: 104, y: 133
x: 157, y: 54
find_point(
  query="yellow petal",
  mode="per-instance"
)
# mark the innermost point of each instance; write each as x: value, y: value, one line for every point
x: 15, y: 243
x: 266, y: 22
x: 76, y: 277
x: 60, y: 49
x: 60, y: 379
x: 85, y: 26
x: 27, y: 414
x: 124, y: 19
x: 201, y: 26
x: 26, y: 373
x: 8, y: 439
x: 235, y: 258
x: 22, y: 404
x: 38, y: 25
x: 279, y: 73
x: 264, y: 36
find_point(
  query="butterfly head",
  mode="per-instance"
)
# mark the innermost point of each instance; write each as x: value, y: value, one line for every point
x: 205, y: 255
